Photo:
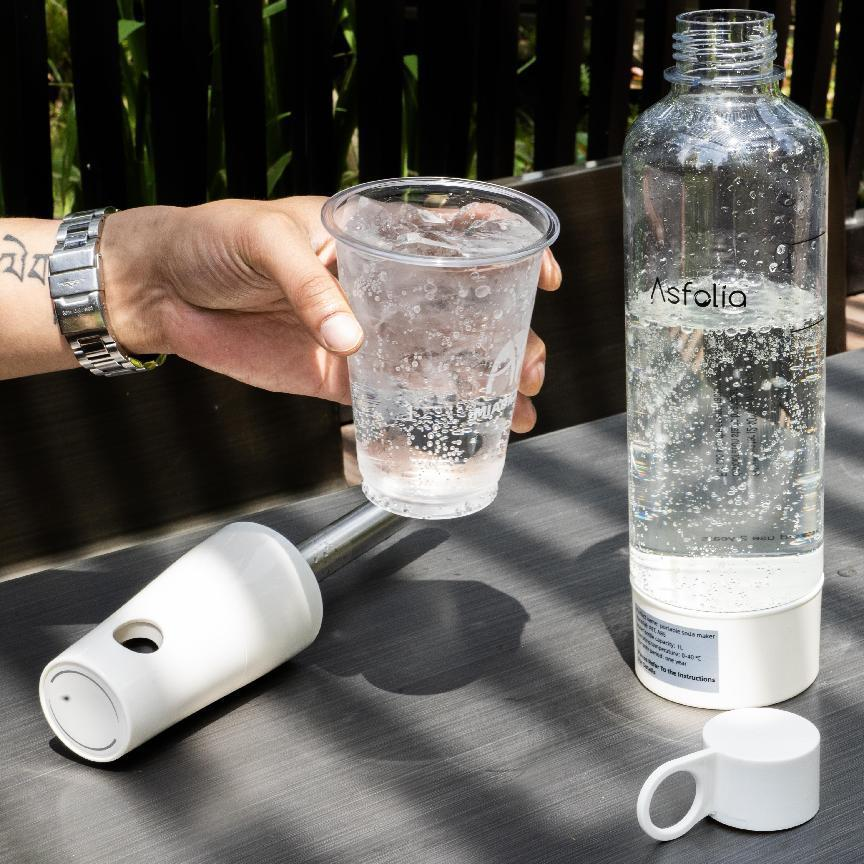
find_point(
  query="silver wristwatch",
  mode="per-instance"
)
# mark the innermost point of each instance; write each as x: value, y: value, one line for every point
x: 75, y: 283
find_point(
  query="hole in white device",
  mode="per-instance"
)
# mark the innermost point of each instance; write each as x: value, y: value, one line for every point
x: 142, y: 637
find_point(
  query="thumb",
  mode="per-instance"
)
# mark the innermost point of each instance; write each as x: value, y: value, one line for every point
x: 316, y: 297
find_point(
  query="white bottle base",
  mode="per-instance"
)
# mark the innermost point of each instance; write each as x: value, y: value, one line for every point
x: 724, y: 660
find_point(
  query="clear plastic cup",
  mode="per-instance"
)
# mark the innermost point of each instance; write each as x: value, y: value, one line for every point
x: 441, y: 274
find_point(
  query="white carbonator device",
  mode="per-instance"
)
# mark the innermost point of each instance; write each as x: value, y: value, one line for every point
x: 231, y: 609
x: 725, y: 202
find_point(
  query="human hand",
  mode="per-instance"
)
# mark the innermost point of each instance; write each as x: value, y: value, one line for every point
x: 247, y: 289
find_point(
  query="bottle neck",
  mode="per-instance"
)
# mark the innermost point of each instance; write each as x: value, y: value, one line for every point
x: 703, y: 87
x: 725, y: 48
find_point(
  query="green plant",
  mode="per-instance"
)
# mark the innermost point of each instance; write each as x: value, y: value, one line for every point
x: 135, y: 85
x: 66, y: 177
x: 135, y: 90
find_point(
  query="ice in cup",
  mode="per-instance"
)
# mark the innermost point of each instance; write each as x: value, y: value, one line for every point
x: 441, y: 274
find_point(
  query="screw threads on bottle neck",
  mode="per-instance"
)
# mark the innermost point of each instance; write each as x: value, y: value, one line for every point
x: 724, y: 47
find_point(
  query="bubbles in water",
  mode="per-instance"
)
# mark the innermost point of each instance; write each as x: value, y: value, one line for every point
x: 433, y: 386
x: 475, y: 230
x: 726, y: 424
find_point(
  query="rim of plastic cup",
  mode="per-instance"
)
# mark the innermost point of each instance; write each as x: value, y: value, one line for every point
x: 332, y: 204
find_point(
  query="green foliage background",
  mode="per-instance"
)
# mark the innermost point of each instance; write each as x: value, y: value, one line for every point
x: 131, y: 36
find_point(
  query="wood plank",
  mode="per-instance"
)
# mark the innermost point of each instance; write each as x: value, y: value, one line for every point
x: 242, y: 49
x: 279, y: 138
x: 25, y: 145
x: 496, y: 88
x: 612, y: 29
x: 855, y: 253
x: 98, y: 102
x: 836, y: 238
x: 145, y: 451
x: 178, y: 54
x: 583, y: 323
x: 446, y: 57
x: 307, y: 80
x: 657, y: 54
x: 815, y: 23
x: 316, y: 44
x: 380, y: 72
x: 849, y: 97
x: 855, y: 323
x: 557, y: 101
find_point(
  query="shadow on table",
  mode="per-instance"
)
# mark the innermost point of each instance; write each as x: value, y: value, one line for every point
x: 416, y: 637
x: 423, y: 637
x: 430, y: 636
x: 610, y: 557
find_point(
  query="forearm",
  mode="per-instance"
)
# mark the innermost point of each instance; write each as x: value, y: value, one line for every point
x: 133, y: 245
x: 30, y: 341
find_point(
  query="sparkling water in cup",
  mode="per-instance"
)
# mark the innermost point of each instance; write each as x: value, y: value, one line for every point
x: 442, y: 275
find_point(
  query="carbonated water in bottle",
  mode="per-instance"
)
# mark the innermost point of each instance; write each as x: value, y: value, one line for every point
x: 725, y: 217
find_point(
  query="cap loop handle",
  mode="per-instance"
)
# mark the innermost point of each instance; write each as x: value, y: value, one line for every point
x: 697, y: 765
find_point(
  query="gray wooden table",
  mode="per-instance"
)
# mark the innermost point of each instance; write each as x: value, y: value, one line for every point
x: 470, y: 698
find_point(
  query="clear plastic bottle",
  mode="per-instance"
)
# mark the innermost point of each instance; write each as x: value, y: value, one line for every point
x: 725, y: 236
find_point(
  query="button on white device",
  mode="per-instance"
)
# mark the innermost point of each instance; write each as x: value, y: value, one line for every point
x: 83, y: 710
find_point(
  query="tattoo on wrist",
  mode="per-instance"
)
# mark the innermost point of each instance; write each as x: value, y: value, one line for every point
x: 20, y: 263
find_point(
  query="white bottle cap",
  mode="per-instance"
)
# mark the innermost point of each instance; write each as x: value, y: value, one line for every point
x: 759, y: 771
x: 230, y: 610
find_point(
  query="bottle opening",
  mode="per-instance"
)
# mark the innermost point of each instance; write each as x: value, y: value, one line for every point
x: 724, y: 46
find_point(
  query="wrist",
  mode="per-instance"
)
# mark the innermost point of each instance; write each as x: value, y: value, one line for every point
x: 136, y: 285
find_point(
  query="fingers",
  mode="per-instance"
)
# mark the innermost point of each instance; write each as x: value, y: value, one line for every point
x: 550, y: 273
x: 533, y: 366
x: 524, y: 415
x: 264, y: 352
x: 280, y: 250
x: 530, y: 382
x: 327, y: 255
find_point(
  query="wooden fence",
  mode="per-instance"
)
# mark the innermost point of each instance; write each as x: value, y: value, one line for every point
x: 467, y: 87
x: 151, y: 451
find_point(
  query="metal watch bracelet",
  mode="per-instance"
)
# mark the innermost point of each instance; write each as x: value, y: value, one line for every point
x: 77, y: 292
